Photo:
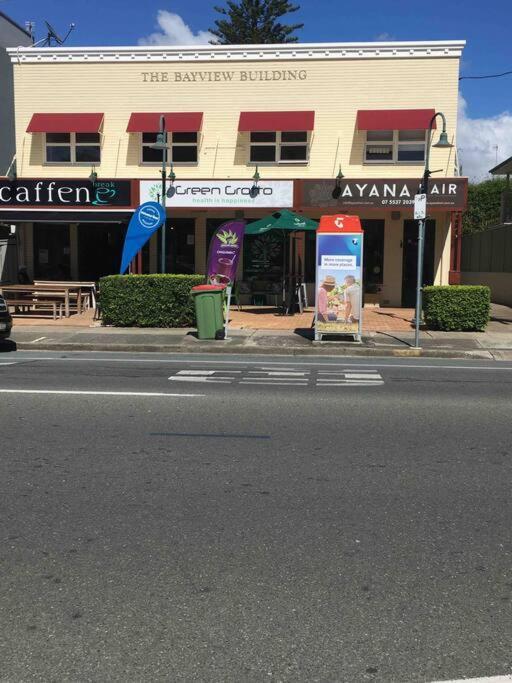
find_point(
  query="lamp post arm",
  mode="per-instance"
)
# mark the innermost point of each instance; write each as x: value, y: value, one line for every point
x: 426, y: 173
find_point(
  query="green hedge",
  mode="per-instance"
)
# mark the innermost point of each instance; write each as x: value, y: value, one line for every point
x: 456, y: 308
x: 148, y: 300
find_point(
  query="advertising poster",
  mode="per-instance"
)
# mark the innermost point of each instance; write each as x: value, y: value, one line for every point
x: 225, y: 249
x: 339, y: 296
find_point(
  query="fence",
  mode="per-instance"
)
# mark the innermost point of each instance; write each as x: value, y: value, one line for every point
x: 487, y: 260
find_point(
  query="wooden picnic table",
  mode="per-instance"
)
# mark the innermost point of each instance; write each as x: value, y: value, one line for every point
x: 51, y: 290
x: 85, y: 286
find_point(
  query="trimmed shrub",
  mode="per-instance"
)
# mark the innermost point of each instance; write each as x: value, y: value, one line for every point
x: 457, y: 307
x: 148, y: 300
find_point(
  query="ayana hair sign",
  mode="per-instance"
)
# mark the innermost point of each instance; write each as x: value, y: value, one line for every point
x: 445, y: 193
x: 221, y: 193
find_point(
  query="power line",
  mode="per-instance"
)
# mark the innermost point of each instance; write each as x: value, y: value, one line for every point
x: 505, y: 73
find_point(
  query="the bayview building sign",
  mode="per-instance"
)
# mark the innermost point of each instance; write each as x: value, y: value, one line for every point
x: 445, y: 193
x: 65, y: 193
x: 224, y: 76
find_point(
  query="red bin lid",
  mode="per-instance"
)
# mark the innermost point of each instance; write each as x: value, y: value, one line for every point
x: 208, y: 288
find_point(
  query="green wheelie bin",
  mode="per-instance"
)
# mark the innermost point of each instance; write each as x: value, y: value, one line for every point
x: 209, y: 301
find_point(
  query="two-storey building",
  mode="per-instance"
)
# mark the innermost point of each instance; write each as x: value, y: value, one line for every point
x: 328, y: 128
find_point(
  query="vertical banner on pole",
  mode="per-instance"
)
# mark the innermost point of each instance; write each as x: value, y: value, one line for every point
x: 339, y: 277
x: 223, y: 257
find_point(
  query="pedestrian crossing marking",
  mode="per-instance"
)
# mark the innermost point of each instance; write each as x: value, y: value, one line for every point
x: 277, y: 377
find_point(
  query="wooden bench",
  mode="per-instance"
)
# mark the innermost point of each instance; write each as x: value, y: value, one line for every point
x: 35, y: 306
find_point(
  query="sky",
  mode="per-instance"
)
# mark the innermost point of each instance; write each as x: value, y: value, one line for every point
x: 485, y: 112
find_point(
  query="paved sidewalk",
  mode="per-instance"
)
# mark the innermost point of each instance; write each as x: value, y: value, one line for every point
x: 490, y: 345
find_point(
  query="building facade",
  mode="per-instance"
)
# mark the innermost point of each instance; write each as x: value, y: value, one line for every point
x: 328, y: 128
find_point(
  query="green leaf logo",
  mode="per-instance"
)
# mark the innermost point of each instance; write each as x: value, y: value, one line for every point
x: 227, y: 237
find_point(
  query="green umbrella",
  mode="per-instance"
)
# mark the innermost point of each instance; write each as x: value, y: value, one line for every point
x: 286, y: 222
x: 281, y: 220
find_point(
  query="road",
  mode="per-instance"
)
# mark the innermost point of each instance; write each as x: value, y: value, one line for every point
x: 254, y: 519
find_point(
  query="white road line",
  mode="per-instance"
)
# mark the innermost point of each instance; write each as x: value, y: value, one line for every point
x: 359, y: 375
x: 37, y: 340
x: 273, y: 384
x: 7, y: 363
x: 204, y: 380
x: 179, y: 361
x: 349, y: 384
x: 204, y: 373
x: 278, y: 373
x: 66, y: 392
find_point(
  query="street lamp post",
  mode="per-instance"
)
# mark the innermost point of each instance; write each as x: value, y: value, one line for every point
x: 442, y: 143
x: 161, y: 144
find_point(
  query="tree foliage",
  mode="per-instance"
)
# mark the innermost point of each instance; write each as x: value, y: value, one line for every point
x: 484, y: 203
x: 254, y: 22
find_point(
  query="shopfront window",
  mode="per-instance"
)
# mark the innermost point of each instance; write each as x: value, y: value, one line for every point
x: 182, y: 148
x: 279, y: 147
x: 72, y: 148
x: 395, y: 146
x: 100, y: 246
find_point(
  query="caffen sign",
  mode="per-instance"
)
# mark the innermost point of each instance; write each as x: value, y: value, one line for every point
x: 221, y: 193
x: 64, y: 193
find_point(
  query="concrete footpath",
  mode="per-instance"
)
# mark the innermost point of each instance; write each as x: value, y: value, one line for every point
x: 491, y: 345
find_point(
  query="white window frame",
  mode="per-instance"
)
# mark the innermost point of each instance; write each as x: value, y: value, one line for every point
x: 170, y: 144
x: 278, y: 145
x: 72, y: 144
x: 394, y: 144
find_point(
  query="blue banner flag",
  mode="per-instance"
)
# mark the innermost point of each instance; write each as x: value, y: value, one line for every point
x: 147, y: 218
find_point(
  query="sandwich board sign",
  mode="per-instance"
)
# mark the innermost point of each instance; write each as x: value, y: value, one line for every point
x: 339, y: 277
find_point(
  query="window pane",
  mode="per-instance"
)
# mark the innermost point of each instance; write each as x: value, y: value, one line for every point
x: 263, y: 137
x: 411, y: 152
x: 294, y: 153
x: 294, y: 136
x: 182, y: 153
x: 87, y: 153
x: 88, y: 137
x: 149, y: 137
x: 411, y: 135
x: 379, y: 135
x: 151, y: 155
x: 58, y: 154
x: 57, y: 137
x: 184, y: 137
x: 379, y: 153
x: 263, y: 153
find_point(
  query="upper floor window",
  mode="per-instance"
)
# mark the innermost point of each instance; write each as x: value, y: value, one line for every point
x: 395, y: 146
x: 182, y: 148
x: 72, y: 148
x: 279, y: 147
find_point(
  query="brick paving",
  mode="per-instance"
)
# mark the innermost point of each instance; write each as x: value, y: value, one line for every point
x: 267, y: 318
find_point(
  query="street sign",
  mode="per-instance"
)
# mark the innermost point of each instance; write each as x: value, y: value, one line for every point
x: 420, y: 206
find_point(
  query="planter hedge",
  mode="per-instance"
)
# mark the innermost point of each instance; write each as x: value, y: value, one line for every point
x: 148, y: 300
x: 457, y: 307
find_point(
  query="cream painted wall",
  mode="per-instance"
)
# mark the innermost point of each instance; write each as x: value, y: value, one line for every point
x: 335, y: 89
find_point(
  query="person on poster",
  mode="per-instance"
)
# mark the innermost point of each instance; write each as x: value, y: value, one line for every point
x: 328, y: 284
x: 352, y: 299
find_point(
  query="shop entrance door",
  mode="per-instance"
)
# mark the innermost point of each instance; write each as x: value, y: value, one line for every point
x: 410, y: 260
x: 51, y: 251
x: 180, y: 241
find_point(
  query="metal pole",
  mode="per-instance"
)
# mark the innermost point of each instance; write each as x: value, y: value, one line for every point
x: 162, y: 198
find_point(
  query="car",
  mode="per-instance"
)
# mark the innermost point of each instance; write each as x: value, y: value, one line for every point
x: 5, y: 320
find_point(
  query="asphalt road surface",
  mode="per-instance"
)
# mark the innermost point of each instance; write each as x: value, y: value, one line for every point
x: 254, y: 519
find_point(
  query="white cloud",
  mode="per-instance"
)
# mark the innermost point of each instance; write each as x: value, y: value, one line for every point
x: 382, y: 37
x: 477, y: 140
x: 174, y: 31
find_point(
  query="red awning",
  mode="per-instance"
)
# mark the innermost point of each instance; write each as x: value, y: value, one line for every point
x: 269, y: 121
x: 65, y: 123
x: 395, y: 119
x: 175, y: 122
